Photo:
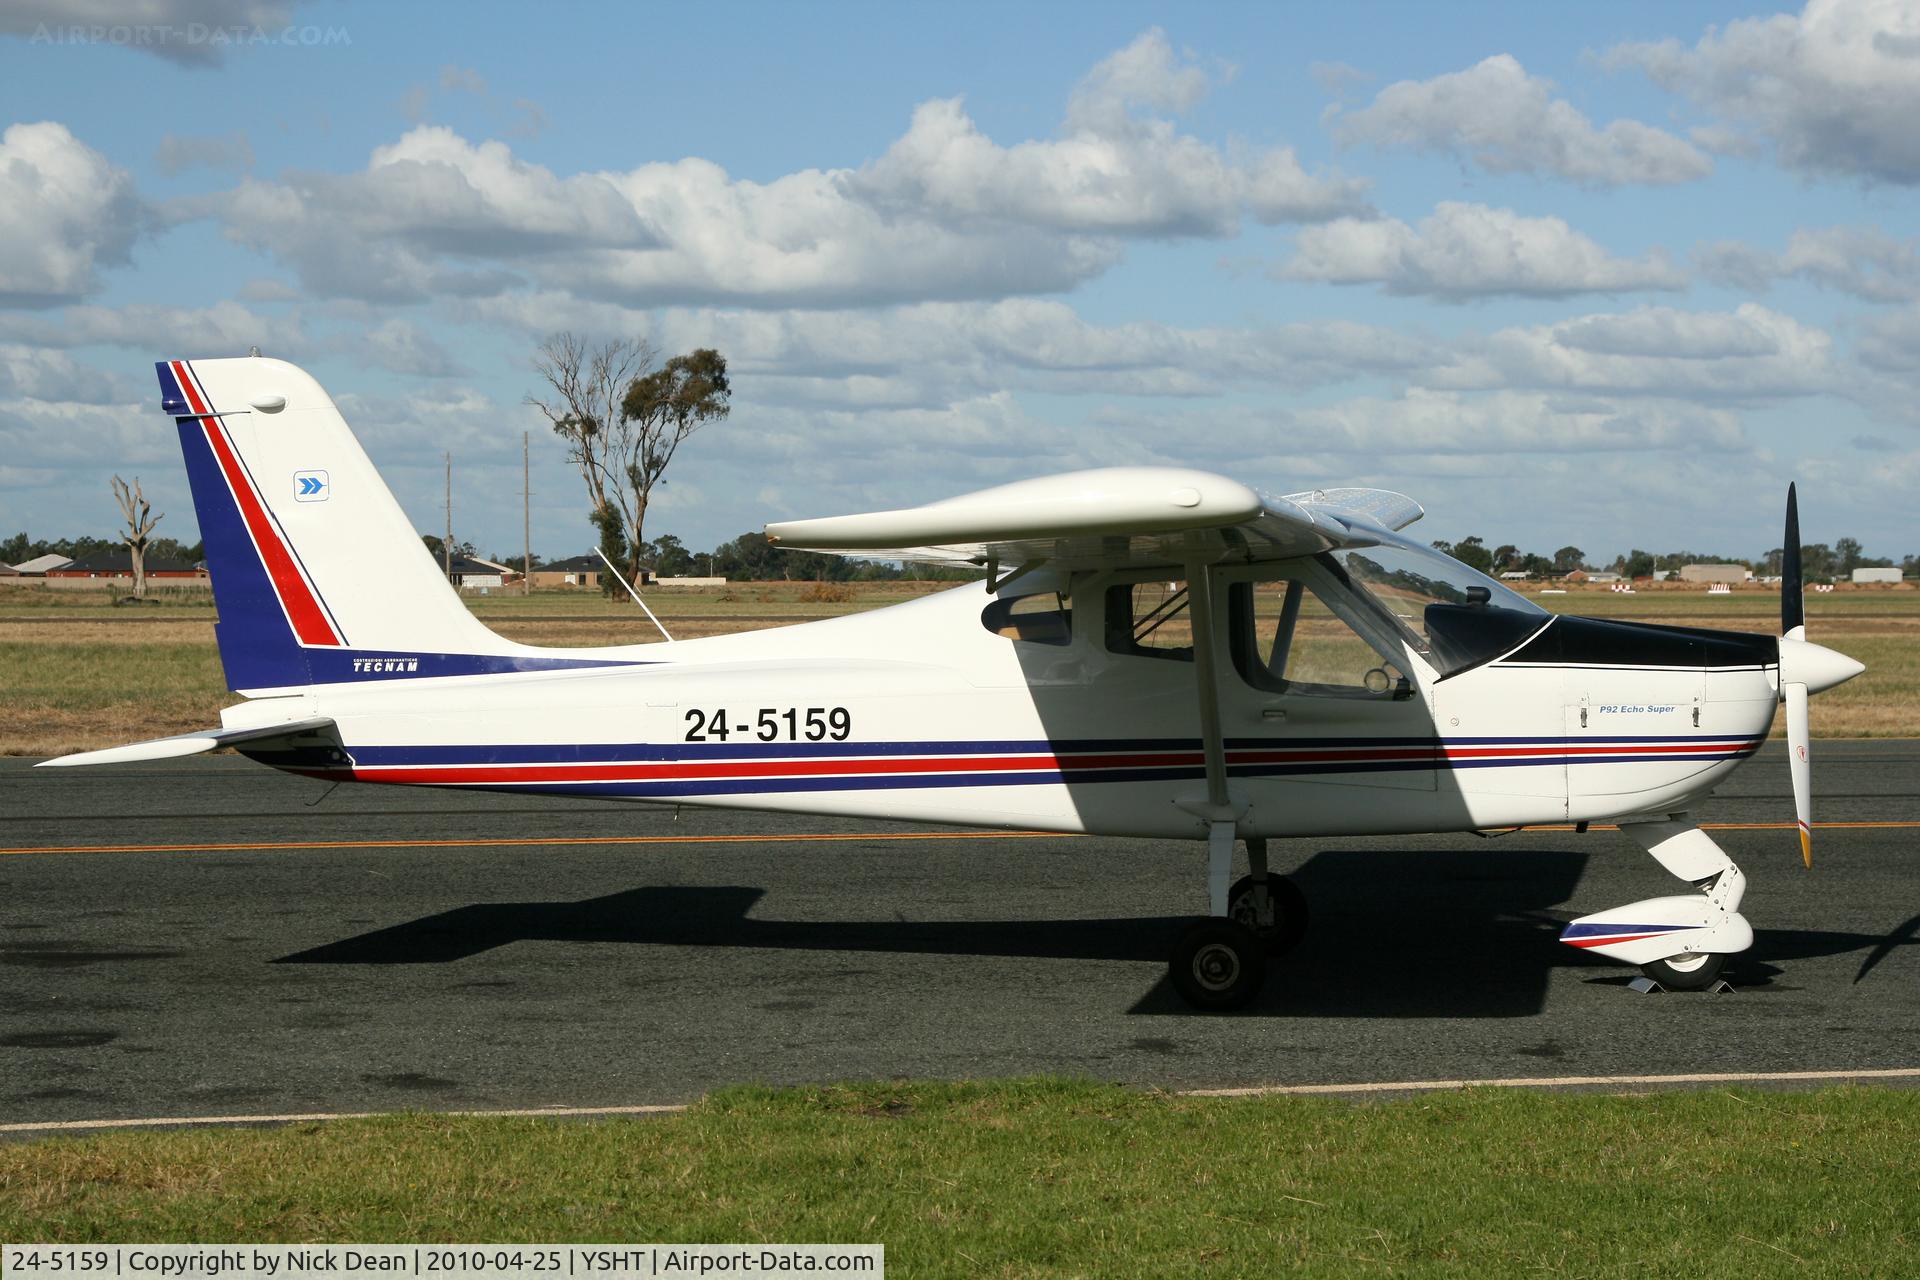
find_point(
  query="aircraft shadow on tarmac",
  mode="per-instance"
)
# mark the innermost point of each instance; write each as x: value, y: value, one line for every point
x: 1394, y: 934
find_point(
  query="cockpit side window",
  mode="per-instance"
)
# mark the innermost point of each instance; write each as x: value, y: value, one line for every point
x: 1150, y: 620
x: 1040, y: 617
x: 1286, y: 639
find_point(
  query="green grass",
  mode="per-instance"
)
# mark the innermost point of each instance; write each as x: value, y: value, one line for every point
x: 1052, y: 1178
x: 83, y: 693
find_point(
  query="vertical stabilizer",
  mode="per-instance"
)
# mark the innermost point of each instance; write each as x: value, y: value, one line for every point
x: 318, y: 574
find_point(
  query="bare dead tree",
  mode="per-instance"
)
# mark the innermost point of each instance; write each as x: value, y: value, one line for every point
x: 139, y: 529
x: 623, y: 419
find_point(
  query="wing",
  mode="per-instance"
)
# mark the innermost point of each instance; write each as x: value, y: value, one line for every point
x: 1112, y: 517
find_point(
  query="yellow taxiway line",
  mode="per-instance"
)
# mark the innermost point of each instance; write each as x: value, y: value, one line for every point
x: 514, y: 842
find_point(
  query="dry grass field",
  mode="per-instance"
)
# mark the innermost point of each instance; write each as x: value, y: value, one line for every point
x: 83, y: 672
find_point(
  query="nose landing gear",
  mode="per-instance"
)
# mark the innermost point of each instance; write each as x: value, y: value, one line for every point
x: 1681, y: 942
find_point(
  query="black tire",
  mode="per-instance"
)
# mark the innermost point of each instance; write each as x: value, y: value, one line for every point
x: 1695, y: 973
x: 1289, y: 912
x: 1218, y: 964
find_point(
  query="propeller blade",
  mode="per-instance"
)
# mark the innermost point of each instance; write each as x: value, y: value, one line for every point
x: 1802, y: 766
x: 1793, y: 611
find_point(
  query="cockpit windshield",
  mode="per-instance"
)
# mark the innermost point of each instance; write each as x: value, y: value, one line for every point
x: 1453, y: 616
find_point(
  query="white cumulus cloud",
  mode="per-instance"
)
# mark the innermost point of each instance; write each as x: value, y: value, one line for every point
x: 1863, y: 261
x: 1835, y: 89
x: 944, y: 213
x: 65, y: 211
x: 1506, y: 120
x: 1743, y: 356
x: 1464, y: 251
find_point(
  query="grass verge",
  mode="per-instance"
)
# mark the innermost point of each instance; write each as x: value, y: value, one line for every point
x: 1061, y: 1178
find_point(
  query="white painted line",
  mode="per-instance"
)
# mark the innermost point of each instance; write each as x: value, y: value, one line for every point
x: 154, y: 1122
x: 1557, y: 1082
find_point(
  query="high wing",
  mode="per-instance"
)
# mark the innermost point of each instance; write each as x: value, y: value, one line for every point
x: 1113, y: 517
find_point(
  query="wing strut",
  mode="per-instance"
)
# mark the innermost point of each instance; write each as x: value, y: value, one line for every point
x: 1219, y: 811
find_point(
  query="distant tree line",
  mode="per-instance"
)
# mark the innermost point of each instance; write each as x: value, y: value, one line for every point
x: 750, y: 557
x: 1818, y: 561
x: 20, y: 548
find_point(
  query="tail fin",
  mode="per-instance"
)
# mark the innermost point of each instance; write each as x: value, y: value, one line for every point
x: 319, y: 576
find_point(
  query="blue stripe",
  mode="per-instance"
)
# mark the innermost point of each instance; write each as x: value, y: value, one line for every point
x: 337, y: 666
x: 1604, y: 930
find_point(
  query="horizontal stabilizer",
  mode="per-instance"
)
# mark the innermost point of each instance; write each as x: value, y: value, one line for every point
x: 188, y: 744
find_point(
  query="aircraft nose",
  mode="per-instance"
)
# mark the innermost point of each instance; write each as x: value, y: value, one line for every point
x: 1815, y: 665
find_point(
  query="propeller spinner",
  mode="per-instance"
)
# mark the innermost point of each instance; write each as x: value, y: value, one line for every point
x: 1804, y: 668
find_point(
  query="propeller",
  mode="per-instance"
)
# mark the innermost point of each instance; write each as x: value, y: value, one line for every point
x: 1804, y: 668
x: 1793, y: 626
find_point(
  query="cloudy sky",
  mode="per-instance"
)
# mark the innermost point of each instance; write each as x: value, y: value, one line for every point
x: 1600, y: 274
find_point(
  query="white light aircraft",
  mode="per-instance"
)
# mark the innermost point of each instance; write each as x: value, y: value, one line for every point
x: 1155, y: 652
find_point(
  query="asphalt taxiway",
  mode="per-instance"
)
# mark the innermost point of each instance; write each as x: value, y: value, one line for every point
x: 206, y: 937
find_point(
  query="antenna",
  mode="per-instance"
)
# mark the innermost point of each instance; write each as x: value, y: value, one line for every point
x: 526, y: 520
x: 446, y: 548
x: 601, y: 552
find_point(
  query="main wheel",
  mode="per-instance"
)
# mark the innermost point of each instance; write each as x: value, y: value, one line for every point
x: 1218, y: 964
x: 1289, y: 912
x: 1688, y: 971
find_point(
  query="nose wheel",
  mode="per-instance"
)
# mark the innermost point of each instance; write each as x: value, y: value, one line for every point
x: 1688, y: 971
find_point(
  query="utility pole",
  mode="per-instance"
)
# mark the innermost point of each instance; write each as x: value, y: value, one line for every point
x: 526, y: 520
x: 446, y: 548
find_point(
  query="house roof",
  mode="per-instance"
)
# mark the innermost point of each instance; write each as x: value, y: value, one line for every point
x: 40, y: 564
x: 468, y: 566
x: 575, y: 564
x: 121, y: 561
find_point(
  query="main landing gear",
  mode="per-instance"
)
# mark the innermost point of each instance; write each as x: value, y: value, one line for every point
x: 1221, y: 959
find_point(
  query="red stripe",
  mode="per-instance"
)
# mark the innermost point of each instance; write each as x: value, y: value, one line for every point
x: 303, y: 609
x: 1607, y: 942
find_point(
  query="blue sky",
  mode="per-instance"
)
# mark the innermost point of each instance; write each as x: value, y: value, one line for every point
x: 1601, y: 275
